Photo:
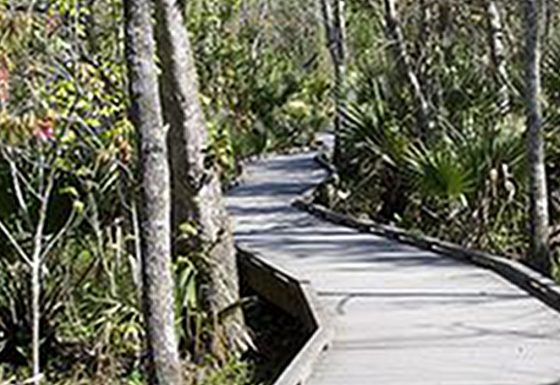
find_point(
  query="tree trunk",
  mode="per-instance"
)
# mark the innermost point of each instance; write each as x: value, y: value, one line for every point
x: 335, y: 30
x: 424, y: 28
x: 548, y: 15
x: 36, y: 264
x: 496, y: 38
x: 196, y: 190
x: 394, y: 33
x: 538, y: 215
x: 158, y: 285
x: 339, y: 28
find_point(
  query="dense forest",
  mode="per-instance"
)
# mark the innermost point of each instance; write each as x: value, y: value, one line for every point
x: 122, y: 124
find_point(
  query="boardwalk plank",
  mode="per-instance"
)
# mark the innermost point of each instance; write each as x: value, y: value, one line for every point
x: 402, y: 315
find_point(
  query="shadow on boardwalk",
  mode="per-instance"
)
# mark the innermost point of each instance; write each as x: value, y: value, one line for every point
x: 402, y: 315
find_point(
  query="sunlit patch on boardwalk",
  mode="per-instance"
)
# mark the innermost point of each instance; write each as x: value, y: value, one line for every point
x: 402, y: 315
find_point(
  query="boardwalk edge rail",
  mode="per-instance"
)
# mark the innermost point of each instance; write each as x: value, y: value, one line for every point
x: 298, y: 299
x: 529, y: 280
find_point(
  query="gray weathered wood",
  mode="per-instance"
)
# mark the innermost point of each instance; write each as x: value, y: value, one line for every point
x: 402, y: 315
x: 296, y: 298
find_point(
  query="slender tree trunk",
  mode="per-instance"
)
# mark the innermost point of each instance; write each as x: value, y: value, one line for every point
x: 327, y: 12
x: 424, y: 24
x: 539, y: 221
x: 548, y: 15
x: 244, y: 13
x: 445, y: 10
x: 497, y: 48
x: 263, y: 8
x: 424, y: 29
x: 36, y: 294
x: 36, y: 274
x: 405, y: 67
x: 339, y: 27
x: 158, y: 285
x: 196, y: 190
x: 36, y: 316
x: 334, y: 25
x: 423, y: 52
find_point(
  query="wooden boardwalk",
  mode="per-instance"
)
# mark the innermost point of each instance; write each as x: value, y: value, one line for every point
x: 402, y: 316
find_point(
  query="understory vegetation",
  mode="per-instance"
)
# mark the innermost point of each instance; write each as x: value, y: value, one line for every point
x: 463, y: 178
x: 68, y: 175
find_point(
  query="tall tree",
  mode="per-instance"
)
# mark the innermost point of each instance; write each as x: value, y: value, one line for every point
x: 538, y: 215
x: 334, y: 22
x: 395, y: 35
x: 497, y: 49
x: 158, y: 283
x: 197, y: 199
x: 424, y: 26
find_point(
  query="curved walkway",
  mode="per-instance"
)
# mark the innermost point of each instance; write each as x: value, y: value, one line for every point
x: 402, y: 316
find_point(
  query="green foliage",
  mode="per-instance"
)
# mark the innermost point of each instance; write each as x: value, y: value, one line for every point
x: 63, y: 96
x: 234, y: 373
x: 265, y: 86
x: 62, y: 116
x: 465, y: 179
x: 438, y: 174
x: 190, y: 319
x: 259, y: 93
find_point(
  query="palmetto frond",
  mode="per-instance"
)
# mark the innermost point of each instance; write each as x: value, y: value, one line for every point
x: 438, y: 173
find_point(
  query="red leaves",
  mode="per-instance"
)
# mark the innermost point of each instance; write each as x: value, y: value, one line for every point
x: 45, y: 128
x: 18, y: 129
x: 4, y: 81
x: 124, y: 148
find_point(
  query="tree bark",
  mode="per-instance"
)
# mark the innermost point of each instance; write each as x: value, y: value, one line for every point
x: 538, y: 215
x: 196, y: 190
x: 335, y: 30
x: 398, y: 46
x: 36, y: 264
x: 497, y: 49
x: 424, y: 27
x: 158, y: 285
